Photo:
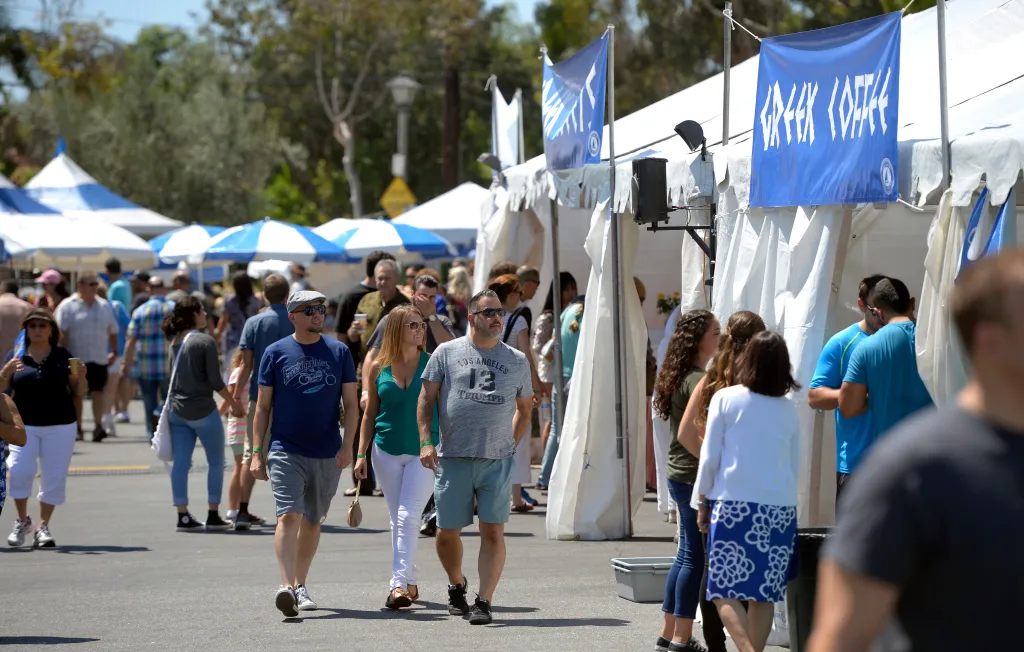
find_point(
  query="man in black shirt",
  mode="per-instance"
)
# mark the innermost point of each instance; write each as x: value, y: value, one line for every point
x: 926, y: 553
x: 347, y: 307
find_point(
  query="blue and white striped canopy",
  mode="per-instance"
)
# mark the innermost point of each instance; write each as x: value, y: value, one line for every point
x: 187, y: 243
x: 357, y: 238
x: 272, y: 240
x: 67, y: 188
x: 14, y: 200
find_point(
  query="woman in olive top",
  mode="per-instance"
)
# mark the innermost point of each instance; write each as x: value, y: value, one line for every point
x: 390, y: 423
x: 193, y: 414
x: 689, y: 351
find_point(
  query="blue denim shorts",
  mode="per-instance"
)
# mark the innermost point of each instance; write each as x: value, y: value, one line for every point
x: 459, y: 479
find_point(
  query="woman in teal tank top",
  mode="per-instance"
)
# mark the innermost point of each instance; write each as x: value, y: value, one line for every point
x: 389, y: 424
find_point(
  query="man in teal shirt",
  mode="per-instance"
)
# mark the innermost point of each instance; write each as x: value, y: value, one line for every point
x: 119, y: 289
x: 854, y: 435
x: 884, y: 369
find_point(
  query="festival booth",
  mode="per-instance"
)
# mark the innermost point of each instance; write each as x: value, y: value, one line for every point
x: 70, y: 243
x: 454, y: 215
x: 68, y: 189
x: 798, y: 267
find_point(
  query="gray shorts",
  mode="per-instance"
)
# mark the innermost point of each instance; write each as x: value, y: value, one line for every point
x: 304, y: 485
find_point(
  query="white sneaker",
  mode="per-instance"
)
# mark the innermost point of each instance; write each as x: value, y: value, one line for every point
x: 122, y: 417
x: 286, y: 602
x: 108, y: 424
x: 302, y: 596
x: 20, y: 533
x: 43, y: 537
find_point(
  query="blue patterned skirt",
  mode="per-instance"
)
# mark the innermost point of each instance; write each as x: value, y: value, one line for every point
x: 750, y: 551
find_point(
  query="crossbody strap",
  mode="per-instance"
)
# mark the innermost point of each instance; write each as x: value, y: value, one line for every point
x: 177, y: 358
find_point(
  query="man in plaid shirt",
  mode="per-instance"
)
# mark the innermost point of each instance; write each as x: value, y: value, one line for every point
x: 145, y: 337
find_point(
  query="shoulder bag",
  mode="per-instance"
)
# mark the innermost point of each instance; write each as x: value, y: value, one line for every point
x: 162, y: 437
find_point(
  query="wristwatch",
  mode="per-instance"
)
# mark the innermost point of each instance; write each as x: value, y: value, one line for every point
x: 432, y: 318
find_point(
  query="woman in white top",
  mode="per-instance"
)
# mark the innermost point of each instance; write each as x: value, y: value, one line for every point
x: 517, y: 335
x: 746, y: 490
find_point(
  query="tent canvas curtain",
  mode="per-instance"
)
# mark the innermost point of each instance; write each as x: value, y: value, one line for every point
x: 586, y: 490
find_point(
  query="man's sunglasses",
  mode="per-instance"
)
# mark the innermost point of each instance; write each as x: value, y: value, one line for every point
x: 309, y: 311
x: 491, y: 312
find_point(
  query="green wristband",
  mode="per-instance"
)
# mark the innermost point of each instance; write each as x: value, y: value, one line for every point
x: 257, y: 449
x: 360, y: 456
x: 424, y: 444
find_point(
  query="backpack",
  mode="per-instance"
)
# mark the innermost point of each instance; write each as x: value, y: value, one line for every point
x: 521, y: 311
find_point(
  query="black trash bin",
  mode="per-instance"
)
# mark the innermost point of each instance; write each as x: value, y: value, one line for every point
x: 800, y: 592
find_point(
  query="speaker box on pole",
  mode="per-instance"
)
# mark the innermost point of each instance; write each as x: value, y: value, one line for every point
x: 650, y: 190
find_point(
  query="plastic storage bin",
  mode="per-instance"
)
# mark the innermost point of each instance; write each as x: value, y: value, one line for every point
x: 642, y: 579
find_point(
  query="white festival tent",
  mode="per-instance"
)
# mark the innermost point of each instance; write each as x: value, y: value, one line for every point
x: 71, y: 243
x: 454, y: 215
x: 798, y: 268
x: 69, y: 189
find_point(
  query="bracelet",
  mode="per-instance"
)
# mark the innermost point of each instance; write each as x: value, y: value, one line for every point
x: 257, y: 449
x: 424, y: 444
x: 360, y: 456
x: 703, y: 503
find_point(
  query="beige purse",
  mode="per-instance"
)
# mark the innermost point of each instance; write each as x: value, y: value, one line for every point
x: 354, y: 516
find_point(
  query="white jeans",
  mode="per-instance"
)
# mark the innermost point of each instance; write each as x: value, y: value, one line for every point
x: 407, y: 487
x: 52, y: 446
x: 662, y: 439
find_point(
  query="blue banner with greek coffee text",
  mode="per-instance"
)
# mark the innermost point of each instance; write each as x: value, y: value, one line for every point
x: 572, y: 105
x: 826, y: 116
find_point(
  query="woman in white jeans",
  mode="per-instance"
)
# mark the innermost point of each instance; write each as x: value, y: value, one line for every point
x: 389, y: 422
x: 44, y: 390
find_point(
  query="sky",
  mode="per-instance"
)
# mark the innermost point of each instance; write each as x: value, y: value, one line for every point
x: 126, y: 17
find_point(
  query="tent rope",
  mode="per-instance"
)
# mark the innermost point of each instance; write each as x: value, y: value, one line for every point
x: 728, y: 14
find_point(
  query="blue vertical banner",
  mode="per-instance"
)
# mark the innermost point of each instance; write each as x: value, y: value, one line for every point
x: 826, y: 116
x: 572, y: 105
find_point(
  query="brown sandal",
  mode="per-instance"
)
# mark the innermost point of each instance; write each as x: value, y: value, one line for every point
x: 398, y: 599
x: 414, y: 592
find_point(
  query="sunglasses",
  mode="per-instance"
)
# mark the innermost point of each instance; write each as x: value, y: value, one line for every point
x: 491, y: 312
x: 92, y: 284
x: 309, y: 311
x: 37, y: 325
x: 416, y: 325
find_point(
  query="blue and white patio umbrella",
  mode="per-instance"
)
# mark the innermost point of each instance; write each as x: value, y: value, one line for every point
x: 357, y: 238
x: 185, y: 244
x: 68, y: 189
x: 272, y: 240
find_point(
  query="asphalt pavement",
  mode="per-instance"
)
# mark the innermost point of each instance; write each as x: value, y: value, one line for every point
x: 123, y: 579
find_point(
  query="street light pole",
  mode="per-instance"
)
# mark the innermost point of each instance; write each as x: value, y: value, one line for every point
x: 403, y: 90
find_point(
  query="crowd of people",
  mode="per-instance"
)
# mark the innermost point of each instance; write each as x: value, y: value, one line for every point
x: 429, y: 392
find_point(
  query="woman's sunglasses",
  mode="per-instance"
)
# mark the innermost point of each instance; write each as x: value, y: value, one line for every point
x: 416, y: 325
x: 309, y: 311
x: 491, y: 312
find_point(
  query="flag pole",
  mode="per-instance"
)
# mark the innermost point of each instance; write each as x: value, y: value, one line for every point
x: 727, y: 70
x: 943, y: 95
x: 621, y: 411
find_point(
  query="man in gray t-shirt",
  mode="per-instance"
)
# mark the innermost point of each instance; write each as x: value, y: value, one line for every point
x: 484, y: 395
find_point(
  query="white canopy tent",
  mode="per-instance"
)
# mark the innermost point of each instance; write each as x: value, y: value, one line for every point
x: 69, y: 189
x: 799, y: 268
x: 71, y: 243
x: 454, y: 215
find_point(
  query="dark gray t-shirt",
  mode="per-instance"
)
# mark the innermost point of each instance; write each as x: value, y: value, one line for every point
x: 378, y: 333
x: 937, y: 509
x: 198, y: 377
x: 479, y: 388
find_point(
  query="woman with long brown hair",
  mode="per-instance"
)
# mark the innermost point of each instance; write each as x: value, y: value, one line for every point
x: 739, y: 330
x: 389, y: 423
x: 690, y: 348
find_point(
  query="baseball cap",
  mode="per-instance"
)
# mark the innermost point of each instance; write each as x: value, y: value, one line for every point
x: 50, y: 277
x: 297, y: 299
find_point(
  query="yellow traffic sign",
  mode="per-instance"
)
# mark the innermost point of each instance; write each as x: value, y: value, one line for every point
x: 397, y: 198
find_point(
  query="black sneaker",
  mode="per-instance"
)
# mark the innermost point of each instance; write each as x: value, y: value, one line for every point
x: 188, y: 523
x: 99, y: 434
x: 242, y: 521
x: 693, y: 645
x: 480, y: 614
x: 457, y: 604
x: 661, y: 645
x: 215, y: 523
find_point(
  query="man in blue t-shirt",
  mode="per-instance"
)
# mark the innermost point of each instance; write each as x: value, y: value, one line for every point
x: 854, y: 435
x: 259, y: 332
x: 304, y: 379
x: 883, y: 370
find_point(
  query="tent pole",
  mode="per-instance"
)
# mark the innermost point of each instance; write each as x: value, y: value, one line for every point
x: 621, y: 411
x: 943, y: 95
x: 522, y: 140
x: 727, y: 65
x: 557, y: 297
